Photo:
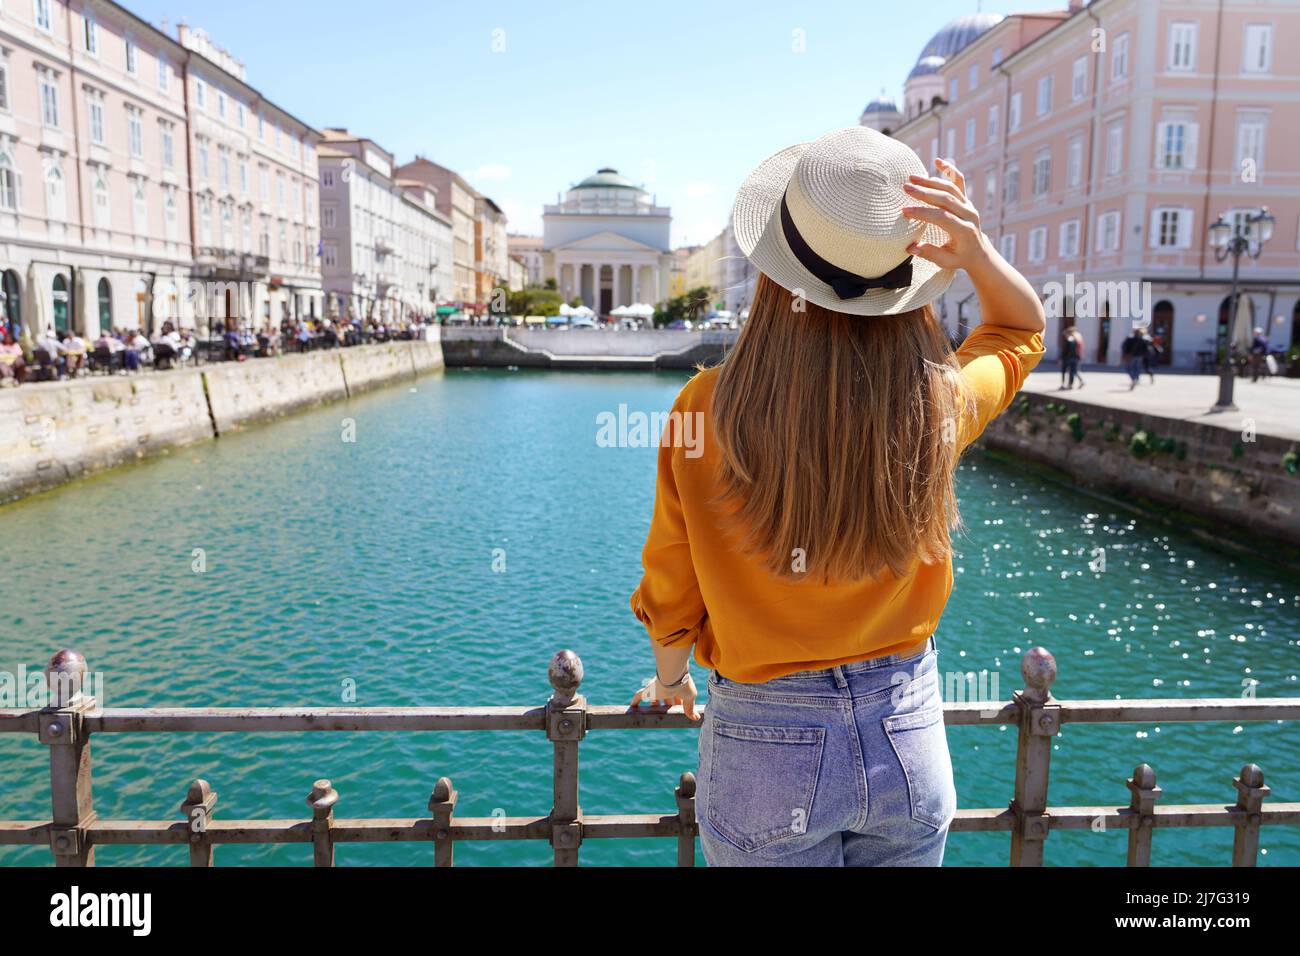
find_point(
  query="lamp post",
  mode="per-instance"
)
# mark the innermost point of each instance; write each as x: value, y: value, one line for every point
x: 1244, y: 235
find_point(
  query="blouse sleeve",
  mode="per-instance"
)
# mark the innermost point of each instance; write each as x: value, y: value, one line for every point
x: 995, y: 361
x: 668, y: 600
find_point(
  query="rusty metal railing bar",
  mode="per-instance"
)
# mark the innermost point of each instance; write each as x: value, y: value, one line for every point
x: 607, y: 717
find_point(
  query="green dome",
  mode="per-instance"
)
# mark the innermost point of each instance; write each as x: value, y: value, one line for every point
x: 606, y: 179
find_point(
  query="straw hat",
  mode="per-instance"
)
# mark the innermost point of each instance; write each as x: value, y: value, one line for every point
x: 825, y: 220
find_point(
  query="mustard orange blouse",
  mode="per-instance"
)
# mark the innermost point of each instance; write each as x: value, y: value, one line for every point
x: 752, y: 626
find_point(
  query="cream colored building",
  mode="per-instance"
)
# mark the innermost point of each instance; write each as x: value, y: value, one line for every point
x: 456, y: 199
x: 382, y: 238
x: 94, y: 193
x: 529, y: 251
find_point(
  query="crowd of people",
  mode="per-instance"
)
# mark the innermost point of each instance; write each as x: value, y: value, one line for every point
x: 1139, y: 354
x: 66, y: 354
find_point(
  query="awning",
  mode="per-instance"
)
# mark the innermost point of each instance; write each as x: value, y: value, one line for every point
x: 534, y: 320
x: 447, y: 310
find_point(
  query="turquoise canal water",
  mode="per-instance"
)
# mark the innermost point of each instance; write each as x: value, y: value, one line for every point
x: 372, y: 562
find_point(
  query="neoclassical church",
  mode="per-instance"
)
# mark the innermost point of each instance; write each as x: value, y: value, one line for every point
x: 607, y: 243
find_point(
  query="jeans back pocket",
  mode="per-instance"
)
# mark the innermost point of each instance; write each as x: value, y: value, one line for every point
x: 921, y: 745
x: 761, y: 781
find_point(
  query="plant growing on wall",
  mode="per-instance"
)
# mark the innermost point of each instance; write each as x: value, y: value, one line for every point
x: 1140, y: 444
x: 1291, y: 462
x: 1076, y: 426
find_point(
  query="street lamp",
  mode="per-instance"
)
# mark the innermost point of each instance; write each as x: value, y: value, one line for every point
x: 1244, y: 235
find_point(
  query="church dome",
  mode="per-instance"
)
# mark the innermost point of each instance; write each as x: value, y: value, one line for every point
x: 607, y: 178
x: 881, y: 104
x: 951, y: 40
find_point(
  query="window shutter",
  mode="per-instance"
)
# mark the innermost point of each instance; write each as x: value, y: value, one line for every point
x: 1155, y: 229
x: 1184, y: 228
x: 1189, y: 148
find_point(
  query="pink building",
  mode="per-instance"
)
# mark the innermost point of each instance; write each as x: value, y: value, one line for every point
x: 94, y: 192
x: 1102, y: 141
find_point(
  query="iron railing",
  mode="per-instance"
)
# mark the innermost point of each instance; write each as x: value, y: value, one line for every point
x: 74, y: 830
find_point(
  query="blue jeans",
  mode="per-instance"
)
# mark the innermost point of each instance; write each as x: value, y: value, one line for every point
x: 846, y: 766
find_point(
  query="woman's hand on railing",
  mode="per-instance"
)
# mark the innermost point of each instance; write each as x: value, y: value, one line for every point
x: 656, y: 691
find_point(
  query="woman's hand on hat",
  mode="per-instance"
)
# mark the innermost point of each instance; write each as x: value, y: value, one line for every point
x: 950, y: 210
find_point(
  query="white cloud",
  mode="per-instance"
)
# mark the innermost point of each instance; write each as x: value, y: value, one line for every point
x: 492, y: 173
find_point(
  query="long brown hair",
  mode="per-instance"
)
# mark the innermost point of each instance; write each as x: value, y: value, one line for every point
x: 838, y: 438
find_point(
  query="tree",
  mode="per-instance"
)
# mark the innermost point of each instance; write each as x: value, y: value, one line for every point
x: 534, y: 300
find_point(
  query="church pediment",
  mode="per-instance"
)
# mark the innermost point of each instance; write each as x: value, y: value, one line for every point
x: 606, y: 241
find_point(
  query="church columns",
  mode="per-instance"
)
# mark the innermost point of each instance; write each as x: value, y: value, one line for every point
x: 617, y: 299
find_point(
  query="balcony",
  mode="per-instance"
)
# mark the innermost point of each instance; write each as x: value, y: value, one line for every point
x: 229, y: 263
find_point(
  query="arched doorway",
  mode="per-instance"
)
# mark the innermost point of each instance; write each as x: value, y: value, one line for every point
x: 60, y: 290
x: 1245, y: 320
x: 1103, y: 333
x: 1162, y: 330
x: 142, y: 306
x: 11, y: 304
x: 104, y: 293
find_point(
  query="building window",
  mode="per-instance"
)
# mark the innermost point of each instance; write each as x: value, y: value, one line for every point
x: 164, y: 74
x: 264, y: 183
x: 1119, y: 59
x: 223, y: 168
x: 1038, y: 244
x: 1250, y: 143
x: 4, y: 84
x: 1045, y: 85
x: 1013, y: 182
x: 1013, y: 113
x: 43, y: 14
x: 1079, y: 79
x: 952, y: 90
x: 56, y: 197
x: 240, y: 114
x: 95, y: 119
x: 169, y: 213
x: 8, y: 184
x: 135, y: 133
x: 1108, y: 231
x: 1008, y: 249
x: 1258, y: 55
x: 993, y: 122
x: 91, y: 35
x: 970, y: 134
x: 202, y: 151
x: 243, y: 177
x: 1171, y: 227
x: 140, y: 209
x: 327, y: 178
x: 49, y: 101
x: 950, y: 143
x: 200, y: 93
x: 221, y: 104
x: 103, y: 213
x: 1175, y: 145
x: 1069, y: 239
x: 130, y: 58
x: 168, y: 145
x: 205, y: 221
x: 327, y: 217
x: 329, y: 255
x: 990, y: 188
x: 1115, y: 149
x: 1182, y: 46
x: 1074, y: 162
x: 1042, y: 172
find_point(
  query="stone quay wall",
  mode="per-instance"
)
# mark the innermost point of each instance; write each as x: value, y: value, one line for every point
x: 56, y: 431
x: 1235, y: 489
x: 584, y: 348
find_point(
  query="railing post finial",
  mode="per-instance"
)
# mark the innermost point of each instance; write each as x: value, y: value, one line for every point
x: 1144, y: 794
x: 1251, y: 792
x: 1038, y: 668
x: 65, y: 676
x: 322, y: 798
x: 565, y: 674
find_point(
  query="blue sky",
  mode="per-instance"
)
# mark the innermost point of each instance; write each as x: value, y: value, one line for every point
x: 526, y: 98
